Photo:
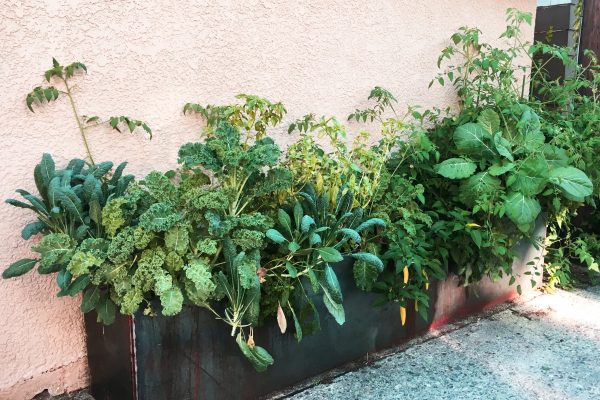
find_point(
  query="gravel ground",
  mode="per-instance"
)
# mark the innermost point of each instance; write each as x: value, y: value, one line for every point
x: 545, y: 348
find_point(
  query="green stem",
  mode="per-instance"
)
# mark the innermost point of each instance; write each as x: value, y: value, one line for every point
x: 79, y: 124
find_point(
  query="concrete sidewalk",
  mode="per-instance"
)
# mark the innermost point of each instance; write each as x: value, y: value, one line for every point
x: 545, y: 348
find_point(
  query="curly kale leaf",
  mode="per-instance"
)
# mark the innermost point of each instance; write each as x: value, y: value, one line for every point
x: 274, y: 180
x: 199, y: 285
x: 255, y: 220
x: 149, y: 268
x: 192, y: 181
x: 201, y: 199
x: 56, y: 250
x: 198, y: 154
x: 160, y: 187
x: 81, y: 262
x: 122, y: 246
x: 248, y: 239
x: 264, y: 153
x: 174, y: 262
x: 217, y: 226
x: 247, y: 273
x: 207, y: 246
x: 162, y: 283
x: 171, y: 301
x: 131, y: 301
x: 159, y: 217
x: 177, y: 239
x: 115, y: 215
x: 112, y: 274
x: 224, y: 153
x: 142, y: 237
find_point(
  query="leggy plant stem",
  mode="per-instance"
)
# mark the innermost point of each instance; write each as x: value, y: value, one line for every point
x: 79, y: 124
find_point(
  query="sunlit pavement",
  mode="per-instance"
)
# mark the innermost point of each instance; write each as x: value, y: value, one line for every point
x: 545, y: 348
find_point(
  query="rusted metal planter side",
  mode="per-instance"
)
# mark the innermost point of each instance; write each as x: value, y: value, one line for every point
x: 193, y: 356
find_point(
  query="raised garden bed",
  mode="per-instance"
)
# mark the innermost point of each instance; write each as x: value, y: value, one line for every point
x: 191, y: 356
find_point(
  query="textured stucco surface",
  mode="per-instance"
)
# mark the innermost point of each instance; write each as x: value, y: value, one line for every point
x: 146, y: 59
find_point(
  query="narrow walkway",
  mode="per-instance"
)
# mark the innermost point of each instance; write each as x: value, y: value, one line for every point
x: 544, y: 348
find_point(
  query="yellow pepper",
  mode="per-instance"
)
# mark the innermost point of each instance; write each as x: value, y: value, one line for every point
x: 403, y: 315
x: 406, y: 275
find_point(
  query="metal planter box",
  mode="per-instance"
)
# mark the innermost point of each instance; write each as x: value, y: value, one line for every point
x: 193, y: 356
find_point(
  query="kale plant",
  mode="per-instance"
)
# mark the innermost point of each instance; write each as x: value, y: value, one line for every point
x: 70, y: 217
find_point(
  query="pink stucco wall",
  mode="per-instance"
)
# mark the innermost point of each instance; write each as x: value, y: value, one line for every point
x: 146, y: 59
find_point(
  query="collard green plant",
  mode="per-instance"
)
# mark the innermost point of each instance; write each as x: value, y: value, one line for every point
x: 502, y: 150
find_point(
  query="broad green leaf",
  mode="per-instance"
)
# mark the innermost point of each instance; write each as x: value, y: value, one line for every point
x: 307, y: 222
x: 365, y: 274
x: 531, y: 176
x: 177, y: 239
x: 90, y: 299
x: 284, y: 220
x: 291, y: 269
x: 473, y: 139
x: 275, y: 236
x: 314, y: 238
x: 573, y: 182
x: 522, y: 210
x: 371, y: 222
x: 331, y: 284
x: 530, y: 137
x: 171, y: 301
x: 350, y: 234
x: 258, y: 356
x: 490, y: 120
x: 555, y: 156
x: 70, y: 202
x: 335, y: 309
x: 456, y: 168
x: 503, y: 146
x: 106, y: 310
x: 20, y: 204
x: 497, y: 170
x: 329, y: 254
x: 33, y: 228
x: 476, y: 236
x: 63, y: 279
x: 297, y: 325
x: 298, y: 214
x: 19, y: 268
x: 481, y: 184
x: 95, y: 212
x: 77, y: 285
x: 370, y: 259
x: 293, y: 246
x: 46, y: 171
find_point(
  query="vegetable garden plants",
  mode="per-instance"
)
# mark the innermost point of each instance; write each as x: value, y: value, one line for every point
x: 250, y: 233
